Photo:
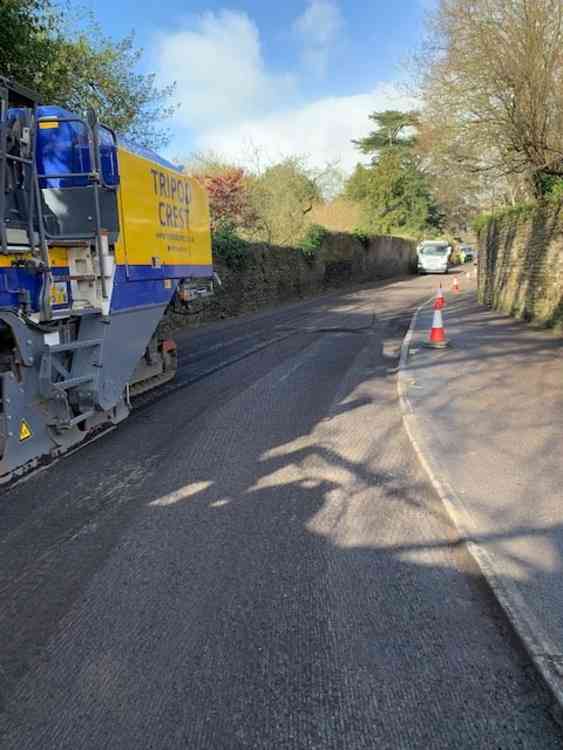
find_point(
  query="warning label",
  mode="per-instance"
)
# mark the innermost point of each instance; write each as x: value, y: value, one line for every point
x: 25, y: 431
x: 59, y: 293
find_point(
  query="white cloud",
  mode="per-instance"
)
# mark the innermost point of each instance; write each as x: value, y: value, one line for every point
x: 322, y: 130
x: 219, y: 70
x: 231, y: 103
x: 320, y: 23
x: 319, y: 28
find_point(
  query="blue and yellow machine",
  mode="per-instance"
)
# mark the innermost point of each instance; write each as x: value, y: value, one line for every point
x: 95, y: 237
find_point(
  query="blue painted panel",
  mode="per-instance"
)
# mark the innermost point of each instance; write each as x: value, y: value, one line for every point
x: 13, y: 280
x: 65, y: 149
x: 128, y: 293
x: 144, y: 285
x: 146, y: 273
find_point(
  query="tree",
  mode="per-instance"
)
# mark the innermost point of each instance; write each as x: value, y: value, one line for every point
x: 82, y: 69
x: 394, y: 191
x: 399, y: 198
x: 107, y: 80
x: 26, y: 39
x: 229, y: 200
x: 357, y: 185
x: 492, y: 85
x: 272, y: 205
x: 282, y: 197
x: 460, y: 194
x: 393, y: 129
x: 329, y: 179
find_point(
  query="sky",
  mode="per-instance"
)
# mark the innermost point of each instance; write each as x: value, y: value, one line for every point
x: 258, y: 80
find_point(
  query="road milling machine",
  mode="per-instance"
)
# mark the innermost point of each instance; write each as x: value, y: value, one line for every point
x: 96, y: 235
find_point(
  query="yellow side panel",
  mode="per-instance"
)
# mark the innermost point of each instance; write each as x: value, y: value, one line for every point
x: 57, y: 258
x: 7, y: 260
x: 164, y: 216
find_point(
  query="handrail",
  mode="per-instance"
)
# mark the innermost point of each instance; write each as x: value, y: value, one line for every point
x: 92, y: 147
x: 96, y: 178
x: 31, y: 184
x: 3, y: 164
x: 21, y: 159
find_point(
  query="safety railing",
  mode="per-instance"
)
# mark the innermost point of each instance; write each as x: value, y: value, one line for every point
x: 27, y: 164
x: 95, y: 179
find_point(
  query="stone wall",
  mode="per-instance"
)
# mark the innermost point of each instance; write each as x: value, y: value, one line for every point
x: 521, y: 265
x: 273, y: 275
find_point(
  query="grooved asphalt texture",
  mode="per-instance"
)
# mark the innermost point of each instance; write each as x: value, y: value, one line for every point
x: 258, y: 561
x: 490, y: 408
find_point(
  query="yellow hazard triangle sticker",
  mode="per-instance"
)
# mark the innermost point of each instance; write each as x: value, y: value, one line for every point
x: 25, y: 431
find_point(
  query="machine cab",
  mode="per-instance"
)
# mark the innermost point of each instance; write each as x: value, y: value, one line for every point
x: 75, y: 160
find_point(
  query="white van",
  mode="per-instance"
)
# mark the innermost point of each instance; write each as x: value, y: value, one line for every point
x: 434, y: 256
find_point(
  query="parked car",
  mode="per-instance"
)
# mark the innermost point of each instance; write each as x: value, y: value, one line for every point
x: 434, y: 256
x: 467, y: 254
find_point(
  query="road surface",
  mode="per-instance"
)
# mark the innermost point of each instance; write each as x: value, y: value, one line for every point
x: 256, y: 560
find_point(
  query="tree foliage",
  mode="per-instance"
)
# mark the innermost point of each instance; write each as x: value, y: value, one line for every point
x: 271, y: 205
x: 356, y: 187
x: 283, y: 196
x: 313, y: 240
x: 393, y: 129
x: 393, y: 190
x: 399, y: 199
x: 27, y: 29
x: 458, y: 192
x: 230, y: 202
x: 83, y: 68
x: 492, y: 84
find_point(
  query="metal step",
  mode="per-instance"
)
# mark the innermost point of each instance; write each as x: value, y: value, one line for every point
x: 68, y: 312
x: 52, y: 363
x: 72, y: 382
x: 75, y: 345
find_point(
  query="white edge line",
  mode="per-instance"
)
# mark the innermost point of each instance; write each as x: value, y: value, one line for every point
x: 538, y: 645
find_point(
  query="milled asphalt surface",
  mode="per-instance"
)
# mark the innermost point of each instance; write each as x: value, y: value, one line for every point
x: 488, y: 414
x: 257, y: 560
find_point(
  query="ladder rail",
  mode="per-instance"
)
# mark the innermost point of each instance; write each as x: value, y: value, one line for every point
x: 3, y: 166
x: 96, y: 179
x: 26, y: 159
x: 29, y: 181
x: 53, y: 388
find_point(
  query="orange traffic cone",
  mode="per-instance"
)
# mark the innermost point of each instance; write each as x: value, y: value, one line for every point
x: 456, y: 285
x: 437, y: 338
x: 440, y: 301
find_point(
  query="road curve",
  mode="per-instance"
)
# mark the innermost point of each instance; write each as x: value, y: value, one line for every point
x: 255, y: 559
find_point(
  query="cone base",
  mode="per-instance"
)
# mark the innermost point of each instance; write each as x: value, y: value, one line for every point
x: 436, y: 344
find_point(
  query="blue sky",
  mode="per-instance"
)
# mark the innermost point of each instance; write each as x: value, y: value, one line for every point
x: 272, y: 78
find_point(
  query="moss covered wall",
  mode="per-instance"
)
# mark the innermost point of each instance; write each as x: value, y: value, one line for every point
x: 521, y: 265
x: 272, y: 275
